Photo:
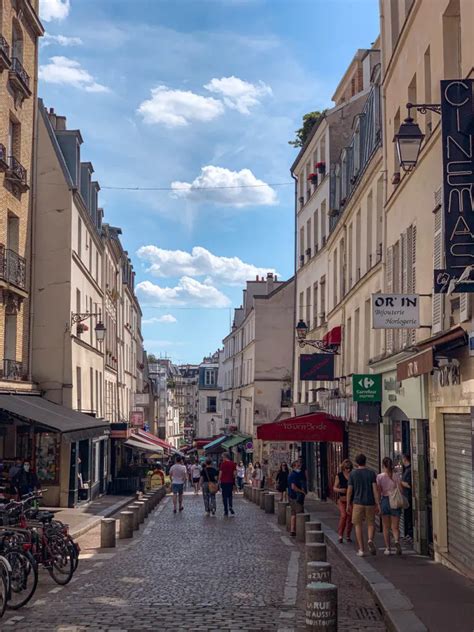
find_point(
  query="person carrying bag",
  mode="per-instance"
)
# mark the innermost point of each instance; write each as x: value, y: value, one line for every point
x: 210, y: 487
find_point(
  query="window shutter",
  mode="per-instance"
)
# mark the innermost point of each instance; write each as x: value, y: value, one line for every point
x: 411, y: 280
x: 404, y: 256
x: 465, y: 306
x: 389, y: 289
x: 438, y: 299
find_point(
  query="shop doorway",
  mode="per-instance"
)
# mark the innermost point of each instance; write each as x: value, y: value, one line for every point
x: 84, y: 470
x: 102, y: 467
x: 398, y: 437
x: 425, y: 426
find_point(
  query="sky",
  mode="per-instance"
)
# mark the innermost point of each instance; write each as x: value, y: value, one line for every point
x: 186, y: 108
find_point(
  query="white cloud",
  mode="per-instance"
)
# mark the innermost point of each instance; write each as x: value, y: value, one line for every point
x: 199, y: 262
x: 54, y: 9
x: 61, y: 40
x: 65, y: 71
x: 166, y: 318
x: 177, y: 108
x: 223, y: 186
x: 238, y: 94
x: 189, y: 293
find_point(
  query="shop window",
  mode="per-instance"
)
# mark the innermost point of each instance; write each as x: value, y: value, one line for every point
x: 47, y: 457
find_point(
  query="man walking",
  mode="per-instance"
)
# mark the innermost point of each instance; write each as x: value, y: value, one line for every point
x: 178, y: 474
x: 297, y: 491
x: 407, y: 491
x: 363, y: 494
x: 227, y: 470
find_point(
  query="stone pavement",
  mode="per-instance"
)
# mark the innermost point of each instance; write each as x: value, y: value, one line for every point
x: 440, y: 598
x: 192, y: 572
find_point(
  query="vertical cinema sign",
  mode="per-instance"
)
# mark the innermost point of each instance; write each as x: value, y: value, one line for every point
x: 457, y: 114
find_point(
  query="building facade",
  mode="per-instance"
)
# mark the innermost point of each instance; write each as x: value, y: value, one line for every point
x: 210, y: 420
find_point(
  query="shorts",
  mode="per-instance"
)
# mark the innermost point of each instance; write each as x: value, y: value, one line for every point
x: 177, y: 488
x: 361, y: 513
x: 196, y: 480
x: 296, y: 507
x: 387, y: 510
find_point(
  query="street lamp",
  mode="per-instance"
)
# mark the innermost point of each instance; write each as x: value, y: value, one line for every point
x: 409, y: 137
x: 99, y: 329
x: 322, y: 345
x: 301, y: 331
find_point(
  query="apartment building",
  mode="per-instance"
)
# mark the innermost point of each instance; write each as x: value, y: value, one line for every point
x: 258, y: 355
x: 188, y: 400
x: 210, y: 420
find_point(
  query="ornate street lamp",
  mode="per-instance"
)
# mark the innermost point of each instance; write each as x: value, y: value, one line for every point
x: 99, y: 329
x: 409, y: 137
x: 321, y: 345
x: 301, y: 331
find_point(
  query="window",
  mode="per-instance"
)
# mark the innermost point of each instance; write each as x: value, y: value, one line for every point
x: 79, y: 237
x: 334, y: 271
x: 302, y: 245
x: 316, y: 231
x: 14, y: 139
x: 379, y: 209
x: 452, y: 40
x: 308, y: 238
x: 357, y: 247
x: 78, y: 388
x: 210, y: 377
x: 17, y: 41
x: 427, y: 77
x: 348, y: 346
x: 367, y: 331
x: 13, y: 232
x: 301, y: 312
x: 323, y: 222
x: 370, y: 258
x: 342, y: 270
x: 308, y: 306
x: 356, y: 340
x: 92, y: 389
x: 349, y: 255
x: 396, y: 127
x: 315, y: 305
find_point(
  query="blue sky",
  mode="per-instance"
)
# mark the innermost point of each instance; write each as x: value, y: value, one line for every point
x: 188, y: 95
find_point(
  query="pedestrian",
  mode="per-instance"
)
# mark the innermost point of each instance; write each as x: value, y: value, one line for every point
x: 196, y: 476
x: 362, y: 501
x: 297, y: 491
x: 25, y: 480
x: 341, y: 483
x: 265, y: 473
x: 209, y: 486
x: 178, y: 474
x: 282, y: 481
x: 389, y: 483
x: 227, y: 471
x: 249, y: 473
x: 240, y: 475
x: 257, y: 475
x: 407, y: 492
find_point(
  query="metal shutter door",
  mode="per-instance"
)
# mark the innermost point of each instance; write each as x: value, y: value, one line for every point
x: 459, y: 488
x: 365, y: 439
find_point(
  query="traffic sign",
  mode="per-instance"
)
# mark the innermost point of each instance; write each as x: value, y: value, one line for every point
x: 367, y: 387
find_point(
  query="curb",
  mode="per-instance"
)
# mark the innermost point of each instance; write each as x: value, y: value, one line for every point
x: 95, y: 520
x: 397, y: 609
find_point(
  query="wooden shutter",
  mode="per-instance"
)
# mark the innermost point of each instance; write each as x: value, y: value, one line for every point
x: 438, y: 260
x: 404, y: 258
x: 389, y: 289
x: 411, y: 280
x: 465, y: 306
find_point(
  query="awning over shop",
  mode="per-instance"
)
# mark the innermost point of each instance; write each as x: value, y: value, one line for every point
x: 144, y: 446
x: 148, y: 436
x: 446, y: 340
x: 313, y: 427
x: 234, y: 440
x: 214, y: 444
x: 74, y: 425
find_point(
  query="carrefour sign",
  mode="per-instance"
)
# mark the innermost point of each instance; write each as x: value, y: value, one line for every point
x: 367, y: 387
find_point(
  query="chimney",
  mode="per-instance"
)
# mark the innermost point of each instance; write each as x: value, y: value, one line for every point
x: 269, y: 282
x: 52, y: 117
x: 60, y: 123
x: 256, y: 278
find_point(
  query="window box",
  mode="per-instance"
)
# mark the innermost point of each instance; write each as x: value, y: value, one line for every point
x: 321, y: 167
x: 313, y: 178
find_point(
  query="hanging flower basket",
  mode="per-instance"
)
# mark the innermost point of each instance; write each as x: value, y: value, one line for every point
x: 81, y: 328
x: 313, y: 178
x: 321, y: 166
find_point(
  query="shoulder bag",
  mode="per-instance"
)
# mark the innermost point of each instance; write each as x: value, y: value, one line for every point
x: 213, y: 487
x: 397, y: 500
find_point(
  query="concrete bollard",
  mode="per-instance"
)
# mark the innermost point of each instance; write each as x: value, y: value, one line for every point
x: 141, y: 510
x: 262, y: 499
x: 316, y: 552
x: 126, y: 525
x: 107, y: 533
x: 136, y: 521
x: 318, y: 572
x: 269, y: 503
x: 281, y: 512
x: 313, y: 526
x: 253, y: 494
x: 321, y: 607
x: 314, y: 536
x: 288, y: 517
x: 301, y: 520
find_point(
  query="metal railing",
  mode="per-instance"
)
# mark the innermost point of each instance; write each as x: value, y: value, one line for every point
x: 12, y: 370
x: 20, y: 72
x: 4, y: 47
x: 12, y: 267
x: 3, y: 154
x: 17, y: 170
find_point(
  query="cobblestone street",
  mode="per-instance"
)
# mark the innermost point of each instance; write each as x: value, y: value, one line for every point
x: 192, y: 572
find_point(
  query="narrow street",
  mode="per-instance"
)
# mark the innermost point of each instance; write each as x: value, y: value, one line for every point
x: 192, y: 572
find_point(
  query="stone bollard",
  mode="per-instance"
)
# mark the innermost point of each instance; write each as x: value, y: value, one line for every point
x: 301, y: 520
x: 161, y: 493
x: 316, y: 552
x: 258, y: 493
x: 136, y: 521
x: 281, y: 515
x: 126, y: 525
x: 321, y: 607
x: 269, y: 503
x: 253, y: 493
x: 315, y: 536
x: 107, y: 533
x: 318, y: 572
x: 262, y: 499
x: 288, y: 517
x: 141, y: 510
x: 313, y: 526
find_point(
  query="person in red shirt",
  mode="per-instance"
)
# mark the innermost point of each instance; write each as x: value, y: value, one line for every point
x: 227, y: 470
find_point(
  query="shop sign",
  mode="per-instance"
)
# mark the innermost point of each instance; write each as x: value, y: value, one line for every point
x: 395, y: 311
x: 317, y: 367
x: 367, y: 387
x: 137, y: 418
x: 419, y: 364
x: 457, y: 107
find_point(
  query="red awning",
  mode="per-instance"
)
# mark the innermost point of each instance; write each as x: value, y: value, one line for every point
x: 312, y: 427
x: 156, y: 440
x: 333, y: 336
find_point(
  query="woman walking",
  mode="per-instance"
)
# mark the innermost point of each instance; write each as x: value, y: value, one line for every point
x: 282, y: 481
x: 257, y: 476
x: 196, y: 476
x: 209, y: 487
x: 389, y: 483
x: 240, y: 476
x: 340, y: 487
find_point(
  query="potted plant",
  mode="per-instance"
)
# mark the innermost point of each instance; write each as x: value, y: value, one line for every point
x: 321, y: 167
x: 313, y: 178
x: 81, y: 328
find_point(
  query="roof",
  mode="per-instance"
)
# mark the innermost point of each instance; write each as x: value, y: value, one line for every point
x: 74, y: 424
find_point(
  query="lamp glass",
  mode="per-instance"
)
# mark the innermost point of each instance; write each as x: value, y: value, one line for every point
x: 301, y: 330
x: 408, y: 142
x: 100, y: 330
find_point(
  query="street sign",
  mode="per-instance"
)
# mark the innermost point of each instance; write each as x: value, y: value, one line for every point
x: 137, y: 418
x: 317, y: 366
x: 367, y: 387
x: 395, y: 311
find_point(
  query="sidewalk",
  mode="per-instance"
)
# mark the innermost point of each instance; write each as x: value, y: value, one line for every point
x: 414, y: 592
x: 81, y: 519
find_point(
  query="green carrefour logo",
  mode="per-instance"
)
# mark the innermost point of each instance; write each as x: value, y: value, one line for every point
x: 367, y: 388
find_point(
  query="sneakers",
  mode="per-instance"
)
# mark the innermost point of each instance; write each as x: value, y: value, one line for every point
x: 398, y: 548
x: 181, y: 508
x: 387, y: 552
x: 349, y: 539
x: 174, y: 510
x: 372, y: 548
x: 360, y: 553
x: 232, y: 512
x: 208, y: 513
x: 341, y: 540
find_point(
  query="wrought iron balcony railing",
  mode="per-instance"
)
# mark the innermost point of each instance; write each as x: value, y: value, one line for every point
x: 3, y: 158
x: 4, y: 49
x: 12, y: 267
x: 13, y: 370
x: 17, y: 170
x: 18, y: 70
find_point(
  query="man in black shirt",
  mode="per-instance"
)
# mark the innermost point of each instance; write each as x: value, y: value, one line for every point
x: 363, y: 493
x: 407, y: 492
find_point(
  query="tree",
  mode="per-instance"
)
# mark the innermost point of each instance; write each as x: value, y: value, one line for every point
x: 152, y: 358
x: 309, y: 120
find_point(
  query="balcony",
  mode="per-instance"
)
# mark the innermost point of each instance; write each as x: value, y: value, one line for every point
x: 19, y: 78
x: 5, y: 61
x: 286, y: 398
x: 17, y: 174
x: 13, y: 370
x: 3, y: 158
x: 12, y: 268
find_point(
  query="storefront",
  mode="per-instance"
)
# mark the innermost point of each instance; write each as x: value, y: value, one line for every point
x: 68, y: 449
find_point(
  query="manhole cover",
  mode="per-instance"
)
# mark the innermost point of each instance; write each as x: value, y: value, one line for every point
x: 367, y: 614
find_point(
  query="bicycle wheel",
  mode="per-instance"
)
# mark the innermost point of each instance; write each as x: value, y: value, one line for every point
x: 74, y: 548
x: 5, y: 577
x: 24, y: 577
x: 61, y: 561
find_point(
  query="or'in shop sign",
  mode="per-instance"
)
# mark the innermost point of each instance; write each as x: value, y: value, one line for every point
x: 367, y: 387
x: 395, y: 311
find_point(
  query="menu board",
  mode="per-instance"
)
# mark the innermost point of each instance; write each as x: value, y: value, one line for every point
x: 47, y: 457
